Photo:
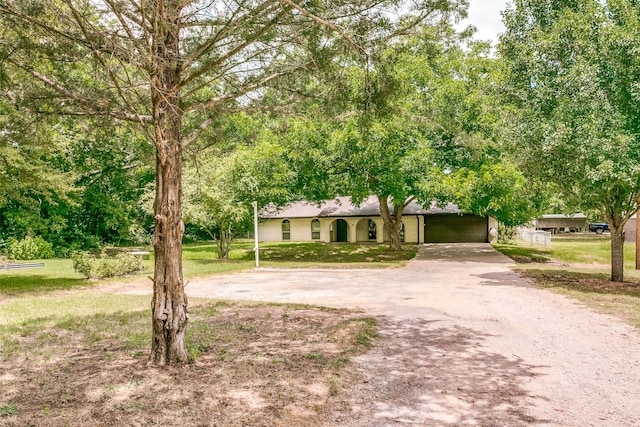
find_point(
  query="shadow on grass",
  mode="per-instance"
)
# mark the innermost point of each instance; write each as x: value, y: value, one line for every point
x: 338, y: 253
x: 17, y: 284
x: 423, y: 374
x: 321, y: 253
x: 267, y: 365
x: 523, y: 254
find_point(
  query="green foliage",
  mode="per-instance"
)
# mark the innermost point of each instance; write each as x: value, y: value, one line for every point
x: 88, y: 189
x: 571, y: 74
x: 570, y: 77
x: 29, y: 248
x: 9, y: 409
x: 506, y: 233
x: 522, y: 254
x: 498, y: 190
x: 95, y: 267
x: 222, y: 181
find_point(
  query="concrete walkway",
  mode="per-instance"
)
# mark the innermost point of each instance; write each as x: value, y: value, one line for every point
x: 466, y: 342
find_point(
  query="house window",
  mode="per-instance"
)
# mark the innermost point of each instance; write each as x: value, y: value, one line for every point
x: 373, y: 231
x: 402, y: 232
x: 315, y: 229
x: 286, y: 230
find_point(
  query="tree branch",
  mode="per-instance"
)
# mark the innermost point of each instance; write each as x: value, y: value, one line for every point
x: 86, y: 103
x: 327, y: 24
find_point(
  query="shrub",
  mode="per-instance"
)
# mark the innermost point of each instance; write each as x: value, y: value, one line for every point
x: 95, y: 267
x: 29, y: 248
x: 506, y: 234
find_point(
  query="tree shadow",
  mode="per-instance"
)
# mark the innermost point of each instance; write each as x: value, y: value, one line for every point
x: 504, y: 278
x: 422, y: 374
x: 17, y: 284
x: 462, y: 253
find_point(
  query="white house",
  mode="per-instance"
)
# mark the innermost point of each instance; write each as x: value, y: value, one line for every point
x: 341, y: 221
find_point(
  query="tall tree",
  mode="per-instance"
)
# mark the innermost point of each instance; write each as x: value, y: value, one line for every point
x: 420, y: 125
x: 171, y: 66
x: 571, y: 77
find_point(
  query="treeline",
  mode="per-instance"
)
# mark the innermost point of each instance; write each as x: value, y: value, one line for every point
x: 548, y: 120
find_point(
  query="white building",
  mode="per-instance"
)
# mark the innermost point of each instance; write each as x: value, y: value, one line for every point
x: 340, y: 221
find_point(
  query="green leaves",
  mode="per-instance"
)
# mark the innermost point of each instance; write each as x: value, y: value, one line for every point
x: 572, y: 71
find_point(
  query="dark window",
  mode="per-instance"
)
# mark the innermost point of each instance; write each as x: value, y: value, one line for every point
x: 373, y: 232
x: 402, y: 232
x: 315, y: 229
x: 286, y: 230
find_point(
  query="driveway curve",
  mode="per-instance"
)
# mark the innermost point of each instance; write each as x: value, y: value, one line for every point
x: 465, y: 341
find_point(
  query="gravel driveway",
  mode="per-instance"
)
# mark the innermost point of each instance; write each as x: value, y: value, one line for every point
x: 466, y: 342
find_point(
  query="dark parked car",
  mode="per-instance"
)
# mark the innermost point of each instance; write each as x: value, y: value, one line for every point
x: 599, y: 227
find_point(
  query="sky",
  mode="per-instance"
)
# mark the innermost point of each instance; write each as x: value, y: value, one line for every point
x: 485, y: 16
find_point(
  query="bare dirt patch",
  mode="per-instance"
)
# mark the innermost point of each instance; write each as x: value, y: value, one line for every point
x: 257, y: 365
x: 582, y: 282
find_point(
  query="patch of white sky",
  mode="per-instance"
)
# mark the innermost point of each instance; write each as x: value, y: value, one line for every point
x: 485, y: 16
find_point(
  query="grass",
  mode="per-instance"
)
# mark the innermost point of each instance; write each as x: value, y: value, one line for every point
x: 333, y: 255
x: 79, y: 357
x: 200, y: 259
x: 578, y: 267
x: 57, y: 274
x: 73, y: 354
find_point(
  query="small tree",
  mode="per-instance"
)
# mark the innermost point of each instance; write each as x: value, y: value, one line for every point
x: 219, y: 188
x: 211, y: 205
x: 171, y: 67
x: 571, y: 73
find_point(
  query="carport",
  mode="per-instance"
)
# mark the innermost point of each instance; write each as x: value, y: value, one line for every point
x: 456, y: 228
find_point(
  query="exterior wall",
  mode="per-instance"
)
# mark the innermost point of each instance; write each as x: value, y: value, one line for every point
x: 630, y: 230
x: 270, y: 230
x: 362, y: 230
x: 412, y: 232
x: 411, y: 229
x: 493, y: 230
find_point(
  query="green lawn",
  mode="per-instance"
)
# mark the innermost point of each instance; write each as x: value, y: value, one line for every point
x: 55, y: 327
x: 579, y: 268
x: 593, y: 251
x: 200, y: 259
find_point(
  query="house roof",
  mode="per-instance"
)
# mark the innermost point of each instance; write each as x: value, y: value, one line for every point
x: 342, y: 207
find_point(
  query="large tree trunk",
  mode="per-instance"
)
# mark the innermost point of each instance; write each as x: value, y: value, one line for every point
x: 637, y: 242
x: 616, y: 225
x: 392, y: 222
x: 224, y: 243
x: 617, y: 251
x: 169, y: 304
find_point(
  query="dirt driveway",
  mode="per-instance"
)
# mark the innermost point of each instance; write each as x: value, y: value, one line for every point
x: 466, y: 342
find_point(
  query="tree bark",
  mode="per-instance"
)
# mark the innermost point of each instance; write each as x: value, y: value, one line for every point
x: 224, y: 243
x: 617, y: 251
x: 637, y: 242
x: 392, y: 222
x: 169, y: 303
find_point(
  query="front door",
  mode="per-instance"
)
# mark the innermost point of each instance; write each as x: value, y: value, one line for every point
x: 342, y: 230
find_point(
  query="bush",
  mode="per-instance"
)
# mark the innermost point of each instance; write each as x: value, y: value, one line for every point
x: 506, y: 234
x: 96, y: 267
x: 29, y: 248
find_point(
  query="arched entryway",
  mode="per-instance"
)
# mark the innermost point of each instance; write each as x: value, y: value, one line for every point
x: 339, y: 231
x: 366, y: 230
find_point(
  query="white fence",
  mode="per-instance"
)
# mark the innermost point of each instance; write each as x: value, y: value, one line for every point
x: 536, y: 237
